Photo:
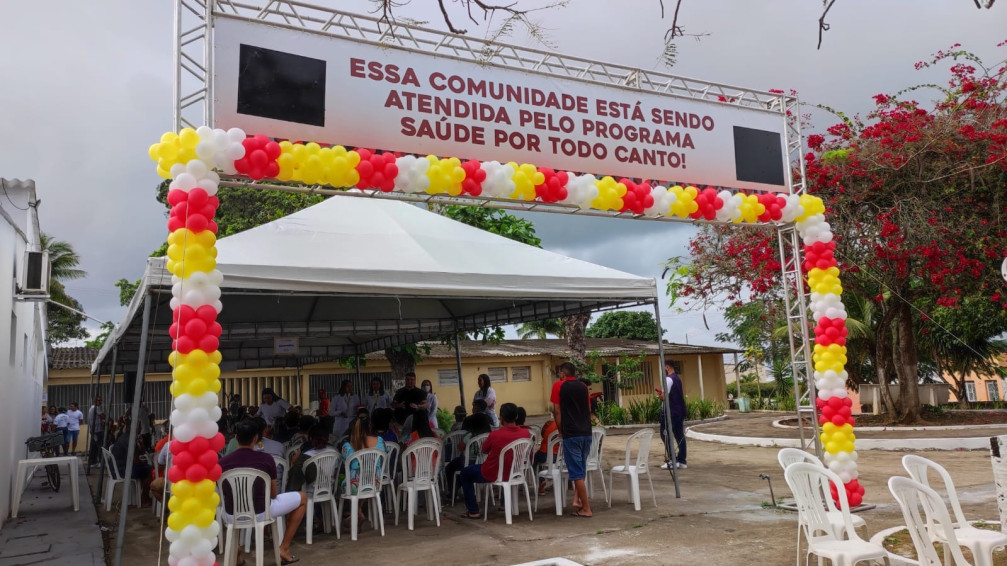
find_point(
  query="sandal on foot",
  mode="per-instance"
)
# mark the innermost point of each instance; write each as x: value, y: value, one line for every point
x: 467, y: 515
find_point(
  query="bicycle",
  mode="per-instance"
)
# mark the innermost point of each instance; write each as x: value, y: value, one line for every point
x: 48, y: 446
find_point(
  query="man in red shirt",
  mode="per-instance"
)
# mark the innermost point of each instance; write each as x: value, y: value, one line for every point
x: 492, y: 446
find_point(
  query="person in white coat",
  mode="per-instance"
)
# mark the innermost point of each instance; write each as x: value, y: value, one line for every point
x: 378, y: 398
x: 428, y: 387
x: 343, y: 407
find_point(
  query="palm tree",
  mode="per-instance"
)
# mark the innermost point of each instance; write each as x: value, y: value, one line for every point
x: 541, y: 329
x: 63, y: 261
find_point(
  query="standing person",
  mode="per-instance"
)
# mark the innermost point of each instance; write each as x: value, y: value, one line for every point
x: 343, y: 407
x: 48, y: 414
x: 73, y: 418
x: 428, y: 387
x: 96, y: 430
x: 486, y: 393
x: 323, y: 404
x: 572, y: 411
x: 378, y: 398
x: 60, y: 423
x: 145, y: 425
x: 290, y: 505
x: 272, y: 407
x: 676, y: 402
x: 492, y: 446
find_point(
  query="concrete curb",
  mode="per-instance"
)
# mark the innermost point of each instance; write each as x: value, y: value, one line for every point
x: 624, y: 430
x: 896, y: 444
x: 779, y: 424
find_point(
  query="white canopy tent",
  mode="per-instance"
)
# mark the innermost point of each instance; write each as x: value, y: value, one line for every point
x: 355, y: 275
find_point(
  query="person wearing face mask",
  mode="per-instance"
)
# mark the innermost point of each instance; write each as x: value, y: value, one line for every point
x: 428, y: 388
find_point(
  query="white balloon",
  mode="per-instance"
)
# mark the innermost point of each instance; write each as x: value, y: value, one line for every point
x: 236, y: 135
x: 172, y: 560
x: 176, y: 170
x: 207, y: 429
x: 174, y: 303
x: 215, y: 414
x: 218, y: 306
x: 205, y: 132
x: 196, y: 168
x: 196, y: 416
x: 185, y: 181
x: 178, y: 416
x: 209, y: 186
x: 188, y: 560
x: 234, y: 151
x: 185, y: 401
x: 171, y: 534
x: 183, y: 432
x: 181, y: 548
x: 191, y: 534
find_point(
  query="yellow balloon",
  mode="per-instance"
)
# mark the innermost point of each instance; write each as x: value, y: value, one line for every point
x: 188, y: 138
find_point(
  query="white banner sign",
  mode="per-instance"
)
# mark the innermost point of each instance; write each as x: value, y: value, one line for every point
x: 302, y: 86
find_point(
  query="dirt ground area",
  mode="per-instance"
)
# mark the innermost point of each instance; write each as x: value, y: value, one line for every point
x: 724, y: 517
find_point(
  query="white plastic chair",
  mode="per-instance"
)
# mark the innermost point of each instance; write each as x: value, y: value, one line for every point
x: 554, y: 471
x: 913, y: 496
x: 322, y: 490
x: 113, y: 478
x: 369, y: 463
x: 474, y: 446
x: 788, y: 456
x: 806, y: 481
x: 241, y: 483
x: 594, y: 461
x: 420, y: 462
x: 282, y: 473
x: 981, y: 542
x: 633, y: 470
x: 388, y: 476
x: 511, y: 478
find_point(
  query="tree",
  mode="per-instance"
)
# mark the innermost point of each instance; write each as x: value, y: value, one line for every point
x: 98, y: 341
x: 541, y: 329
x: 630, y: 325
x: 64, y: 325
x: 915, y: 197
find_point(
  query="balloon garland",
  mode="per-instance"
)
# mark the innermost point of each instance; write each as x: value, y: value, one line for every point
x: 190, y: 157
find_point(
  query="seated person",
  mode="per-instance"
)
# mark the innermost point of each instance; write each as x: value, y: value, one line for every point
x: 381, y: 421
x: 266, y: 443
x: 540, y: 455
x: 162, y: 449
x: 473, y: 425
x: 522, y: 416
x: 459, y: 417
x: 422, y: 430
x: 492, y: 447
x: 291, y: 505
x: 361, y: 437
x: 285, y: 429
x: 120, y: 451
x: 303, y: 435
x: 319, y: 443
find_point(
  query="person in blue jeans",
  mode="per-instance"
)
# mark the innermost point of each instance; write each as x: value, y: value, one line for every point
x: 676, y: 402
x: 572, y: 411
x: 492, y: 446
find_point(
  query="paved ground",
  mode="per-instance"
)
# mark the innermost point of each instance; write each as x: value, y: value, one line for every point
x: 48, y: 531
x: 723, y: 518
x: 760, y: 424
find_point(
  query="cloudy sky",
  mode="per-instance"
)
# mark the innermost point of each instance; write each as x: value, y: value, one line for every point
x: 87, y: 87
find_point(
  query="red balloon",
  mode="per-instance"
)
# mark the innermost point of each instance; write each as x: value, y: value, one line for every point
x: 847, y: 401
x: 838, y: 420
x: 173, y: 330
x: 183, y: 459
x: 198, y: 445
x: 195, y: 329
x: 242, y: 165
x: 273, y: 150
x: 835, y: 402
x: 212, y: 226
x: 196, y: 223
x: 177, y: 447
x: 175, y: 474
x: 272, y: 169
x: 184, y: 344
x: 217, y: 442
x: 175, y: 223
x: 214, y: 473
x: 180, y: 210
x: 209, y: 343
x: 828, y: 412
x: 176, y: 196
x: 197, y: 198
x: 206, y: 313
x: 208, y: 459
x: 195, y: 473
x: 365, y: 169
x: 214, y: 329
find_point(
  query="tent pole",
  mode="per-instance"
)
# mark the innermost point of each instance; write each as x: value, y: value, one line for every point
x: 458, y: 361
x: 737, y: 375
x: 108, y: 421
x: 669, y: 440
x: 133, y: 424
x: 699, y: 360
x: 88, y: 442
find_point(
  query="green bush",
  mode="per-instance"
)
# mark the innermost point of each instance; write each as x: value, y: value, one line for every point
x: 611, y: 414
x: 700, y: 409
x: 646, y: 411
x: 445, y: 419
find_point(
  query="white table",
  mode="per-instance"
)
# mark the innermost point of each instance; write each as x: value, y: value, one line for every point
x: 26, y: 468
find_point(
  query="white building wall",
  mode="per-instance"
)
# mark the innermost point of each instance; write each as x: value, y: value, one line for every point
x: 23, y: 363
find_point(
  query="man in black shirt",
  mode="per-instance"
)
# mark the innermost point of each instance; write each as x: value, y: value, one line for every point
x: 573, y: 420
x: 410, y: 396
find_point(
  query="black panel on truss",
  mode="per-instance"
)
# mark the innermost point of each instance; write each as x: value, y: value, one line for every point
x: 758, y: 156
x: 282, y: 86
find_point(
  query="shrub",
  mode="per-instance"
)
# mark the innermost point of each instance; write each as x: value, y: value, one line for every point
x: 445, y: 419
x: 611, y: 414
x: 646, y: 411
x: 700, y: 409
